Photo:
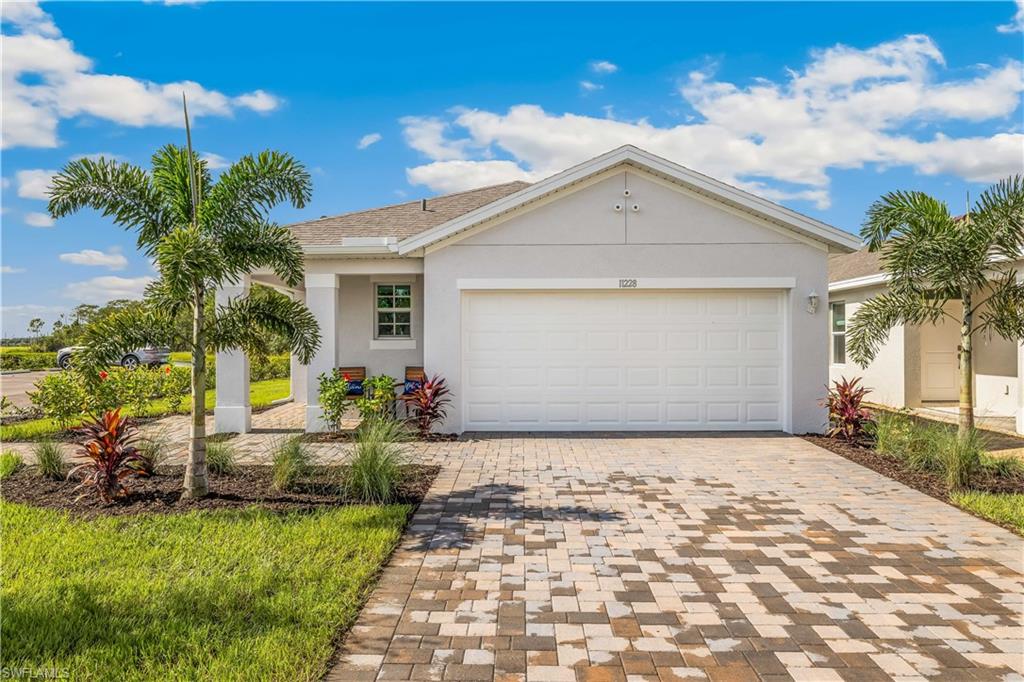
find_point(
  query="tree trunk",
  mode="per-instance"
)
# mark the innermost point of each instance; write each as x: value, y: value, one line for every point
x: 196, y: 485
x: 966, y: 419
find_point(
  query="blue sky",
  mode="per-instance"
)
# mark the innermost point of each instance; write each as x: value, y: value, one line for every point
x: 822, y: 107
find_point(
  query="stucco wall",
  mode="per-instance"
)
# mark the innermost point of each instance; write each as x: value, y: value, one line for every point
x: 895, y: 374
x: 674, y: 234
x: 355, y: 326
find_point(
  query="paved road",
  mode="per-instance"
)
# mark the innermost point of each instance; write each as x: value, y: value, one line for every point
x: 729, y: 558
x: 14, y: 386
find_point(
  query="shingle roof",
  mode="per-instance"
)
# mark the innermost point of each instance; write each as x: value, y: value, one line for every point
x: 399, y: 220
x: 860, y: 263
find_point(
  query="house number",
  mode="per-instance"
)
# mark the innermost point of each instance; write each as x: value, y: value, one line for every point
x: 627, y: 284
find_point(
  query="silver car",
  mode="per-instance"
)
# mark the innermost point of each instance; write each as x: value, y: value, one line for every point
x: 141, y: 356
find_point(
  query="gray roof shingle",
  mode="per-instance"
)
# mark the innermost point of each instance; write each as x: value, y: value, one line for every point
x: 399, y: 220
x: 860, y: 263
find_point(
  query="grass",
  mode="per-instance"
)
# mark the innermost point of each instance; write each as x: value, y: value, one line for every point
x: 9, y: 463
x: 251, y: 595
x: 50, y: 459
x: 221, y: 458
x: 1003, y: 508
x: 292, y: 461
x: 373, y: 470
x: 261, y: 394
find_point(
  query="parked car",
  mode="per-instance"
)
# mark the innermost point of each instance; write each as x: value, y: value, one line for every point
x: 141, y: 356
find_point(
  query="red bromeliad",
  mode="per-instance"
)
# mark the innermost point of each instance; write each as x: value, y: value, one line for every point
x: 109, y: 447
x: 428, y: 404
x: 847, y: 419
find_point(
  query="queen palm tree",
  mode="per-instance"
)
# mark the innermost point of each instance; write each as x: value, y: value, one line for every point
x: 933, y: 258
x: 200, y: 234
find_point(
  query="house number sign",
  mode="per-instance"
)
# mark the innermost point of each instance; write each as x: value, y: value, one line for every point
x: 627, y: 284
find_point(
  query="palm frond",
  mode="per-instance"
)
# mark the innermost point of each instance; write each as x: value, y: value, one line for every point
x: 187, y: 260
x: 869, y: 327
x: 1000, y: 212
x: 1003, y: 310
x: 242, y: 323
x: 172, y: 179
x: 251, y: 187
x: 118, y: 190
x: 255, y: 245
x: 106, y: 340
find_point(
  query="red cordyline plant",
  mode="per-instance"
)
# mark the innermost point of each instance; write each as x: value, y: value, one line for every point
x: 847, y: 419
x: 428, y: 404
x: 109, y: 447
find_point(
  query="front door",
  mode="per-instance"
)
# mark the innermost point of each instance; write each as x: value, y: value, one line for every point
x: 939, y: 365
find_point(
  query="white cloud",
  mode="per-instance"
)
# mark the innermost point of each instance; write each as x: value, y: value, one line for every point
x: 112, y: 259
x: 1016, y: 24
x: 34, y: 184
x: 63, y: 85
x: 368, y: 139
x: 601, y: 66
x: 214, y: 161
x: 847, y: 108
x: 590, y: 86
x: 16, y: 317
x: 99, y: 290
x: 427, y: 135
x: 8, y: 270
x: 38, y: 220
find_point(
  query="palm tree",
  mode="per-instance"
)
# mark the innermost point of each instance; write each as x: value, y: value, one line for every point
x: 200, y: 234
x: 933, y: 258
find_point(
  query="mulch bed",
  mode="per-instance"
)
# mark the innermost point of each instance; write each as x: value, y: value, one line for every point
x: 349, y: 436
x: 925, y: 481
x: 161, y: 493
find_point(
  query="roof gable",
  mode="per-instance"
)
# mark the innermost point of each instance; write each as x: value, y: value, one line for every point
x: 834, y: 238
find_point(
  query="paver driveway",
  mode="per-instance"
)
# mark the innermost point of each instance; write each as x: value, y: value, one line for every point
x: 686, y: 558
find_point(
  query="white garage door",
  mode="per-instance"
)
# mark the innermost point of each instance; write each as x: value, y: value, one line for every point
x: 633, y: 360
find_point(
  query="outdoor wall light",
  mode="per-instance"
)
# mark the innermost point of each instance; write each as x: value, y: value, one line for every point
x: 812, y: 302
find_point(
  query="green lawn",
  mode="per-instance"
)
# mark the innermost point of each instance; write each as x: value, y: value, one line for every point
x: 1005, y: 508
x: 250, y: 595
x: 261, y: 394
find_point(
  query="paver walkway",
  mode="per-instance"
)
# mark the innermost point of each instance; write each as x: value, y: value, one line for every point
x: 686, y: 558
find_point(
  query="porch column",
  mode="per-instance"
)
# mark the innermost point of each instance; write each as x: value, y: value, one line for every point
x: 322, y: 301
x: 297, y: 371
x: 232, y: 413
x: 1020, y: 387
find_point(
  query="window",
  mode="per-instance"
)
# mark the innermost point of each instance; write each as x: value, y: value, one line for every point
x: 394, y: 311
x: 837, y: 313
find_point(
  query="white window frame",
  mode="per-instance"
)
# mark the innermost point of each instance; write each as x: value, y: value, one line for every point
x: 377, y: 310
x: 832, y: 333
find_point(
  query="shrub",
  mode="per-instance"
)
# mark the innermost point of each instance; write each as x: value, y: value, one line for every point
x: 153, y: 451
x: 270, y: 367
x: 220, y: 458
x: 60, y: 396
x: 960, y: 457
x: 176, y: 386
x: 1003, y: 466
x: 378, y: 399
x: 110, y: 448
x: 333, y: 397
x: 373, y: 472
x: 50, y: 458
x: 892, y: 432
x: 21, y: 359
x: 847, y: 419
x: 9, y: 463
x: 428, y: 404
x: 291, y: 463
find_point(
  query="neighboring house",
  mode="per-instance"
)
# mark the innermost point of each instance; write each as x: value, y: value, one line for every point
x: 917, y: 366
x: 626, y: 293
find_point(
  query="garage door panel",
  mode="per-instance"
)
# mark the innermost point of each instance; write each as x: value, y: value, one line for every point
x: 622, y: 360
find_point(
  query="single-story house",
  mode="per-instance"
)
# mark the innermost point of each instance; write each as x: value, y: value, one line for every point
x: 918, y: 366
x: 625, y: 293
